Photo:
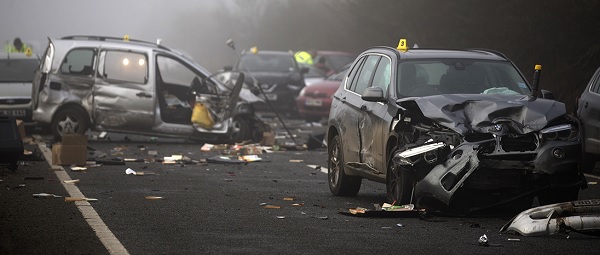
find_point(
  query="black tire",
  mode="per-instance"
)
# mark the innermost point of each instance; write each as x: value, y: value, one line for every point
x: 69, y: 121
x: 398, y: 184
x: 242, y: 130
x: 340, y: 184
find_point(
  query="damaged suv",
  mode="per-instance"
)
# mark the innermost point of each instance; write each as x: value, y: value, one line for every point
x: 132, y: 86
x: 451, y: 130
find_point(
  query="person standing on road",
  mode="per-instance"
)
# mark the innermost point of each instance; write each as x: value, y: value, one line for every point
x: 16, y: 46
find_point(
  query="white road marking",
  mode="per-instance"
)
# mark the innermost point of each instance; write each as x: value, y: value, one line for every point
x: 112, y: 244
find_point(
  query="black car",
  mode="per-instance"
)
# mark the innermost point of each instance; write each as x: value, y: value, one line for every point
x: 277, y: 74
x: 454, y: 130
x: 588, y: 111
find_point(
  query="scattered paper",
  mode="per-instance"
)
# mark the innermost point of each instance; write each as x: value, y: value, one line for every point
x: 78, y: 168
x: 153, y: 198
x: 71, y: 181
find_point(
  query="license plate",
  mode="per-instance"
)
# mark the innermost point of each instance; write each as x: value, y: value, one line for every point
x: 313, y: 102
x: 15, y: 113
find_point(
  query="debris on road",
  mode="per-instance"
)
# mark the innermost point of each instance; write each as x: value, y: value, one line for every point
x: 153, y: 198
x: 44, y: 195
x: 71, y: 181
x: 385, y: 211
x: 582, y: 216
x: 75, y: 199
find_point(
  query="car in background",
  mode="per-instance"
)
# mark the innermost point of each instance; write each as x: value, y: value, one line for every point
x: 16, y: 76
x: 325, y: 63
x: 452, y: 130
x: 314, y: 101
x: 333, y: 60
x: 132, y: 86
x: 588, y: 112
x: 278, y: 76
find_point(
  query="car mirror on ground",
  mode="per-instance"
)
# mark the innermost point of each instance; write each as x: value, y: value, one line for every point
x: 373, y: 94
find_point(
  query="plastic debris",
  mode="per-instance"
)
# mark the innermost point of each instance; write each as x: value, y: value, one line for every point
x: 75, y: 199
x: 44, y: 195
x: 483, y: 240
x: 390, y: 207
x: 296, y: 160
x: 399, y: 225
x: 71, y: 181
x: 131, y: 171
x: 280, y: 217
x: 272, y: 207
x: 78, y: 168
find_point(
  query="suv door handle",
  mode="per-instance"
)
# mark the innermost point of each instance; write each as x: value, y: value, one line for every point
x: 363, y: 107
x: 143, y: 94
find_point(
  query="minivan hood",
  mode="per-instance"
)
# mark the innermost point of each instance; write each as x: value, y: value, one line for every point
x: 463, y: 113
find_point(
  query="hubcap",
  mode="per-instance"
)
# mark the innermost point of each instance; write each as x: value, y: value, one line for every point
x: 68, y: 125
x: 334, y: 169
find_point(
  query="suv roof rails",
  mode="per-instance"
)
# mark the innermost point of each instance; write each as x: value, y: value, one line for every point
x: 110, y: 38
x: 500, y: 54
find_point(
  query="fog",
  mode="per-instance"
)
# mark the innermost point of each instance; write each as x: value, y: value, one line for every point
x: 561, y: 35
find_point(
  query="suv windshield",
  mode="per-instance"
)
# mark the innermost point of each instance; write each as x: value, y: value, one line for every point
x: 458, y: 76
x: 17, y: 70
x: 268, y: 62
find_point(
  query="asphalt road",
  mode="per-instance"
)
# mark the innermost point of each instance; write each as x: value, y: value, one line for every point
x: 212, y: 208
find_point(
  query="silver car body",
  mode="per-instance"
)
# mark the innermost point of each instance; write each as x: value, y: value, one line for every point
x: 114, y: 102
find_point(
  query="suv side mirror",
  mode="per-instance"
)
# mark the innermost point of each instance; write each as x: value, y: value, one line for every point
x: 373, y: 94
x: 547, y: 94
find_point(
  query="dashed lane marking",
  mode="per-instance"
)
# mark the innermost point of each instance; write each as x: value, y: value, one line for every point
x: 112, y: 244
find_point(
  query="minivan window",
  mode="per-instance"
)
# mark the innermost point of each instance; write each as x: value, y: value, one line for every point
x: 78, y: 62
x: 125, y: 66
x: 174, y: 72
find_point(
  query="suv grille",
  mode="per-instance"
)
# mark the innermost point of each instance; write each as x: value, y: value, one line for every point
x: 513, y: 142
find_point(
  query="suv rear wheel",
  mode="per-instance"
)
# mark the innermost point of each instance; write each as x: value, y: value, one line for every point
x: 69, y: 121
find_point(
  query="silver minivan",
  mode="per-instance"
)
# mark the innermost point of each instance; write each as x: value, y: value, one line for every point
x: 131, y: 86
x: 16, y: 76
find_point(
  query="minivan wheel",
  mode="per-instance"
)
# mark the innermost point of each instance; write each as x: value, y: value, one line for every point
x: 398, y: 184
x: 241, y: 129
x: 340, y: 184
x: 69, y: 121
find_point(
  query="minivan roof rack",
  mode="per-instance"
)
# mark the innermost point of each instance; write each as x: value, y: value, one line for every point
x: 110, y: 38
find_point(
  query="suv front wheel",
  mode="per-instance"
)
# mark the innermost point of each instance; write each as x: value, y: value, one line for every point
x: 69, y: 121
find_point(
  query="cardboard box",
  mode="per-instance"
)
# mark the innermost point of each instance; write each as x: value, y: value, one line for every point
x: 268, y: 139
x: 74, y: 139
x: 71, y: 151
x: 21, y: 127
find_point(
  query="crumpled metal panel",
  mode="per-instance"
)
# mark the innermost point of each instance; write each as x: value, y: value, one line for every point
x: 581, y: 216
x: 462, y: 113
x: 365, y: 126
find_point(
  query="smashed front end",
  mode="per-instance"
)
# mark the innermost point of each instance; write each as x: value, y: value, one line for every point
x: 467, y: 153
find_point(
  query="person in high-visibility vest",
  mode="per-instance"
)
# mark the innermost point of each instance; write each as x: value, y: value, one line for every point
x: 16, y: 46
x: 303, y: 57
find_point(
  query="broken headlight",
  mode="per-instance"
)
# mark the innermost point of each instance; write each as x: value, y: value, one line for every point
x: 564, y: 132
